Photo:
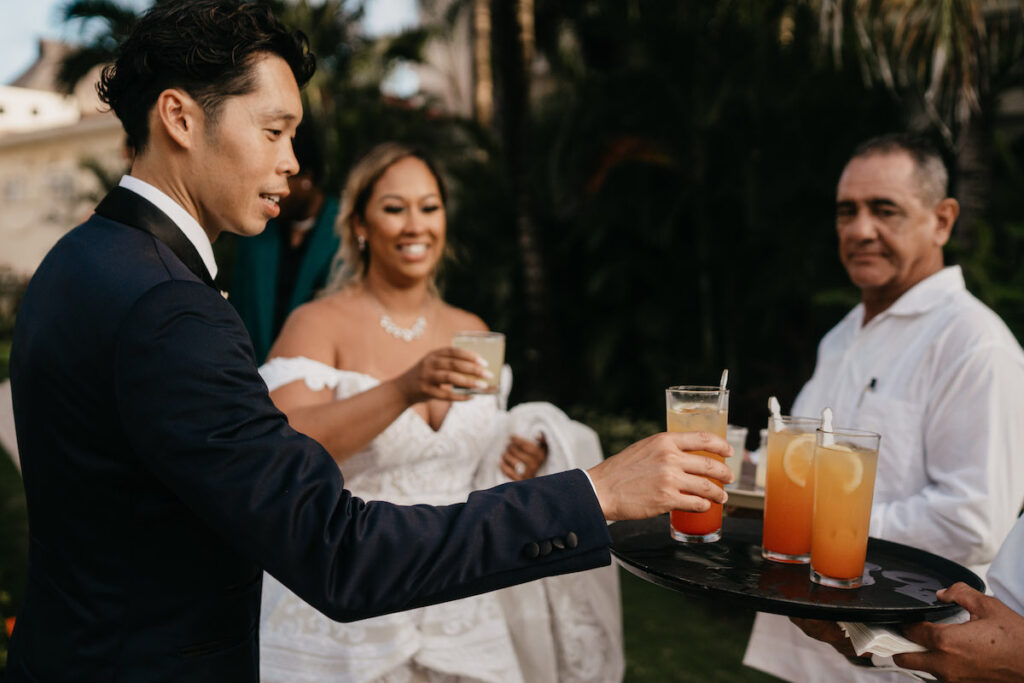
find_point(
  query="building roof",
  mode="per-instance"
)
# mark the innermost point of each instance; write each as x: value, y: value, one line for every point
x: 42, y: 75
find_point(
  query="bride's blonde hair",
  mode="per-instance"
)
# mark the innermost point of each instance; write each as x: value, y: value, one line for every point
x: 350, y: 263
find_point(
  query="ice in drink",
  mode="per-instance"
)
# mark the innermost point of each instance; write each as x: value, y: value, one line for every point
x: 789, y: 490
x: 488, y: 345
x: 698, y: 409
x: 844, y: 485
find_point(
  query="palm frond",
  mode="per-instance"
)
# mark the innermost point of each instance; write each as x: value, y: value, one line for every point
x: 945, y: 51
x: 407, y: 45
x: 77, y: 64
x: 119, y: 19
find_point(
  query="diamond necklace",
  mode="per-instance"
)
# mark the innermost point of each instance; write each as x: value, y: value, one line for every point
x: 406, y: 334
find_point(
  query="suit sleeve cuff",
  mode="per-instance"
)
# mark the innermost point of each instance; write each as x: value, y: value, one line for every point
x: 591, y: 482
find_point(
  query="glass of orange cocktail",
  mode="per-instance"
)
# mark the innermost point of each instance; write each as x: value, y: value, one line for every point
x: 789, y: 489
x: 845, y: 461
x: 698, y: 409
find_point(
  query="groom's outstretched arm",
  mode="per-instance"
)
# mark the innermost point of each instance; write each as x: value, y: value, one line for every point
x: 196, y: 411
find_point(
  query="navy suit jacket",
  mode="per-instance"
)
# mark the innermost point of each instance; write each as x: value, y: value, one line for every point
x: 161, y: 480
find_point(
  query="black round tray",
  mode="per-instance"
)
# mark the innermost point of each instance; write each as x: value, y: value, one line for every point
x: 900, y: 581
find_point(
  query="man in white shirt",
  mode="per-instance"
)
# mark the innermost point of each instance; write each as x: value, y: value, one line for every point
x: 926, y: 365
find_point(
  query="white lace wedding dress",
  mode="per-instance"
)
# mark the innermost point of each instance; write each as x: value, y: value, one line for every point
x: 555, y: 630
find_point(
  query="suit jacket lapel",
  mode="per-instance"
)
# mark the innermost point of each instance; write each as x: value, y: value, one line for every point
x: 124, y: 206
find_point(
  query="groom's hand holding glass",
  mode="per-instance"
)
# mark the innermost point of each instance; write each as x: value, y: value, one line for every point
x: 660, y: 474
x: 646, y: 479
x: 437, y: 374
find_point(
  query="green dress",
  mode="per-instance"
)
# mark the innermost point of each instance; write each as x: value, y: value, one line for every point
x: 254, y: 288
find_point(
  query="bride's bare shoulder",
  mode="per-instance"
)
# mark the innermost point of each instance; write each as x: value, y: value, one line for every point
x: 321, y: 314
x: 460, y: 319
x: 319, y: 328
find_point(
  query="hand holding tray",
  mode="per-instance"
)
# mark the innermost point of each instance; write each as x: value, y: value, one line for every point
x: 899, y: 583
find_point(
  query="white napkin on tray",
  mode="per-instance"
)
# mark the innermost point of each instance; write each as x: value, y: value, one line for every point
x: 884, y: 641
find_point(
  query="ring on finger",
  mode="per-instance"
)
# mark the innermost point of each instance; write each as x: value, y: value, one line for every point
x: 520, y: 468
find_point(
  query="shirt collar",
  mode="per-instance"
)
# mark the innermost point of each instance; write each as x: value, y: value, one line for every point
x: 188, y: 225
x: 928, y: 293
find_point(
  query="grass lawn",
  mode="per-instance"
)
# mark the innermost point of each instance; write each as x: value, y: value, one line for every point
x: 676, y: 637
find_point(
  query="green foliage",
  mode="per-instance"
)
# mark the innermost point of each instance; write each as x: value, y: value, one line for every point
x: 946, y: 59
x: 684, y: 176
x: 615, y: 430
x: 993, y: 264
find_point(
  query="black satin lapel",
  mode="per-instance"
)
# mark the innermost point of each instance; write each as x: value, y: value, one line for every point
x: 124, y: 206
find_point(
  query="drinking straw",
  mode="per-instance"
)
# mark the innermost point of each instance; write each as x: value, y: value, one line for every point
x: 776, y: 410
x: 721, y: 390
x: 827, y: 438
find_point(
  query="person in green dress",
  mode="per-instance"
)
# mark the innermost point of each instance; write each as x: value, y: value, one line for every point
x: 284, y: 266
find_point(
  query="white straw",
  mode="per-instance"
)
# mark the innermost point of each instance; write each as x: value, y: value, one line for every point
x: 827, y: 438
x: 721, y: 389
x: 776, y: 411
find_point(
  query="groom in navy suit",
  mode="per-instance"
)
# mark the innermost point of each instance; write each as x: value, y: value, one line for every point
x: 160, y: 479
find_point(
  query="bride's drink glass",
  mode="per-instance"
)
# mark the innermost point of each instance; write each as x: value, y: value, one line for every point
x: 845, y: 461
x: 698, y: 409
x: 488, y: 345
x: 789, y: 489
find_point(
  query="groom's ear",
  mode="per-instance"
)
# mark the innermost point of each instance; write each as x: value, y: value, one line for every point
x: 178, y: 117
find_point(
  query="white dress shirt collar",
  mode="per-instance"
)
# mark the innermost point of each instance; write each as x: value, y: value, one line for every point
x: 929, y: 292
x: 922, y: 297
x: 188, y: 225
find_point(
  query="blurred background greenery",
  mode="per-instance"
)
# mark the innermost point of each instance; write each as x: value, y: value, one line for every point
x: 642, y: 195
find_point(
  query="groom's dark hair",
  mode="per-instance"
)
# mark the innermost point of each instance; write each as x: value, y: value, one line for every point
x: 205, y: 47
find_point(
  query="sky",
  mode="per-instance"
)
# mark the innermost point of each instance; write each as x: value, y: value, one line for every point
x: 23, y: 22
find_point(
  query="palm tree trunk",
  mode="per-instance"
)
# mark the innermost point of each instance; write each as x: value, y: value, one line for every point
x: 483, y: 87
x: 513, y: 47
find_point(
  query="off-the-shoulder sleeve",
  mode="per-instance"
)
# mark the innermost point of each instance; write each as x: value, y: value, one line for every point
x: 278, y: 372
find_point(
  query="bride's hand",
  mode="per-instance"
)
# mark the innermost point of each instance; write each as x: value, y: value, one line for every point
x: 523, y: 458
x: 435, y: 375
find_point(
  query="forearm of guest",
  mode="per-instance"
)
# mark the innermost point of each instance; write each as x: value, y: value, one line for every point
x: 346, y: 426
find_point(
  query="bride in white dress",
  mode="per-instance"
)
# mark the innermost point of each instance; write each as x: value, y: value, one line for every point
x: 368, y: 371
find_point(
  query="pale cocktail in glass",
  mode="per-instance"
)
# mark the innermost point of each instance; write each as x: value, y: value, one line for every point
x: 698, y: 409
x: 845, y: 461
x: 491, y: 347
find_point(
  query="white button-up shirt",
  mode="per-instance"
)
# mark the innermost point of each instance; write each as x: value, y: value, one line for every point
x: 1006, y: 576
x: 941, y: 378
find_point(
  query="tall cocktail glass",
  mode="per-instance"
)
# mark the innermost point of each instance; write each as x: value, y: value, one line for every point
x: 737, y: 438
x: 698, y: 409
x: 789, y: 489
x: 488, y: 345
x: 845, y: 461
